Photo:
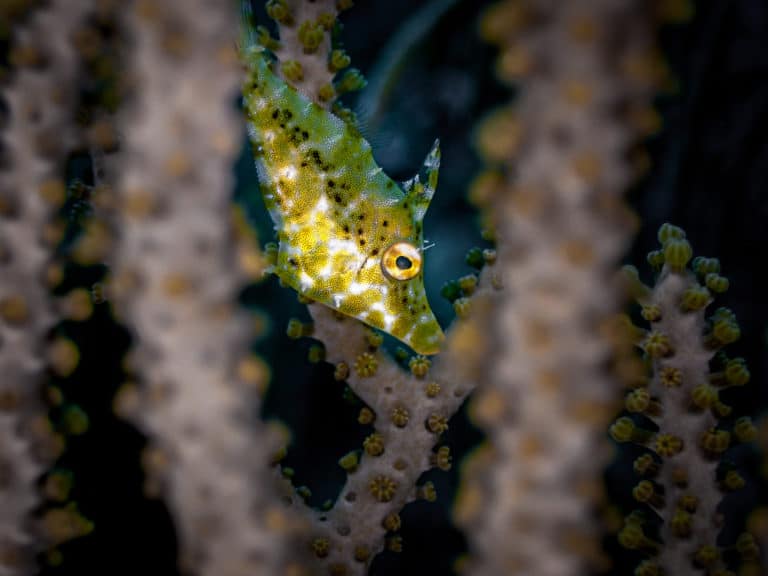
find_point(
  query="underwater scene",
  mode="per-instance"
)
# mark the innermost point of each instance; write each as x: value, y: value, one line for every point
x: 402, y: 287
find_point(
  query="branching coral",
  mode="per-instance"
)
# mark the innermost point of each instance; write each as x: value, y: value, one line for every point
x: 561, y: 230
x: 304, y: 52
x: 682, y: 398
x: 37, y: 140
x: 409, y: 413
x: 175, y: 282
x: 536, y: 325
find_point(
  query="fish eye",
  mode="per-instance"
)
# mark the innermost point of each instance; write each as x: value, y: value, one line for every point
x: 401, y: 261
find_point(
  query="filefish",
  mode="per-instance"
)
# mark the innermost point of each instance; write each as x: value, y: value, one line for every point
x: 349, y: 236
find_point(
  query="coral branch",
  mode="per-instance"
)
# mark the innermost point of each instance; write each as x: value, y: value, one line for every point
x: 561, y: 230
x: 304, y: 50
x: 411, y: 411
x: 176, y: 284
x: 682, y: 398
x: 37, y: 140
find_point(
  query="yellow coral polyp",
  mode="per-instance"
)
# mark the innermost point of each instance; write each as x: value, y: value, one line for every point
x: 715, y: 441
x: 279, y: 11
x: 704, y: 396
x: 695, y: 298
x: 366, y: 416
x: 681, y: 524
x: 400, y: 416
x: 419, y: 366
x: 645, y: 464
x: 366, y: 365
x: 669, y: 232
x: 643, y: 491
x: 638, y: 400
x: 391, y: 522
x: 677, y: 253
x: 339, y: 60
x: 14, y: 310
x: 374, y: 444
x: 706, y: 555
x: 688, y: 502
x: 362, y: 553
x: 668, y: 445
x: 716, y: 283
x: 437, y: 423
x: 382, y: 488
x: 442, y: 458
x: 293, y: 71
x: 432, y: 389
x: 736, y: 372
x: 321, y: 547
x: 648, y: 568
x: 670, y: 376
x: 744, y: 429
x: 622, y: 430
x: 311, y: 35
x: 651, y: 312
x: 657, y: 345
x: 725, y: 329
x: 632, y: 537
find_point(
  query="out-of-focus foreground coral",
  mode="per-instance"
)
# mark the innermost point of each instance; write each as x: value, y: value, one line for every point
x: 554, y: 195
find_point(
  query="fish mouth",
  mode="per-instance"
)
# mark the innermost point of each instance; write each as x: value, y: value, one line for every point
x: 425, y: 338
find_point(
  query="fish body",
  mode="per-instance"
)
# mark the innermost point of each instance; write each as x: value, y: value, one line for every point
x: 349, y: 236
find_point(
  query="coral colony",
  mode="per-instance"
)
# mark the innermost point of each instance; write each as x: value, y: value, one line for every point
x: 552, y: 367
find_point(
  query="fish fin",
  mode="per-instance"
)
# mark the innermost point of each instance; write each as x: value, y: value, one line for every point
x: 421, y: 188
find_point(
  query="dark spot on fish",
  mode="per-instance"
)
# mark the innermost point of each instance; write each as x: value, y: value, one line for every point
x: 331, y: 184
x: 292, y: 262
x: 305, y: 134
x: 385, y: 223
x: 374, y: 251
x: 337, y: 197
x: 359, y: 230
x: 346, y: 228
x: 304, y: 164
x: 287, y: 114
x: 362, y: 241
x: 362, y: 217
x: 275, y: 114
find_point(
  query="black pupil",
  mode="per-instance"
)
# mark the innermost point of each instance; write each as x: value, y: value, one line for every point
x: 403, y: 263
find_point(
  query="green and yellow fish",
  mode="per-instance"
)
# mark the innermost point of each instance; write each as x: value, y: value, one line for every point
x: 349, y: 236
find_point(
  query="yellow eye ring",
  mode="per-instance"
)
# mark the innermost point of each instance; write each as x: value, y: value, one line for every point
x: 401, y: 261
